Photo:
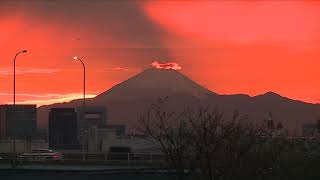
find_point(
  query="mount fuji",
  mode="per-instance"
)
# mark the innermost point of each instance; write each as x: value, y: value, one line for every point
x: 128, y: 100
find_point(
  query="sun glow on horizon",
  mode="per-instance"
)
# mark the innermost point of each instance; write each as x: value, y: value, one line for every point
x: 55, y: 98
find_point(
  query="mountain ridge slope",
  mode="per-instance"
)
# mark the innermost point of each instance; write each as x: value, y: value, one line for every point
x: 128, y: 100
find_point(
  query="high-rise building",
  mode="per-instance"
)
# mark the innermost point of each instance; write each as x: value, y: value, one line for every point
x: 91, y: 116
x: 63, y: 128
x: 18, y: 121
x: 98, y: 136
x: 119, y: 129
x: 88, y: 117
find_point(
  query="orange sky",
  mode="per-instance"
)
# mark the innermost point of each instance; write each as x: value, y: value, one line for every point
x: 229, y: 47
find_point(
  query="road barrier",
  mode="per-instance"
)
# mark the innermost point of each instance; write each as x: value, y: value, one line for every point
x: 87, y: 158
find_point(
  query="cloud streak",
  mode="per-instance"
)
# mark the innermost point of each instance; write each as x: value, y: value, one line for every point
x: 168, y: 65
x: 9, y: 71
x: 122, y: 69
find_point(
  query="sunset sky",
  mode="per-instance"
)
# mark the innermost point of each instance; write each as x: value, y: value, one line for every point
x: 229, y: 47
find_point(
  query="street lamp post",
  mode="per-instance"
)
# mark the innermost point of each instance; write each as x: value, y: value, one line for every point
x: 14, y: 75
x: 84, y: 135
x: 84, y: 80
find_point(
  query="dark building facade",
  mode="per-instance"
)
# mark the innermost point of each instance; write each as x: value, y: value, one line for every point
x: 119, y: 129
x: 91, y: 116
x: 88, y: 117
x: 63, y: 128
x: 18, y: 121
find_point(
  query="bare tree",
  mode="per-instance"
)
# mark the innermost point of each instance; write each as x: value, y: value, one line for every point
x: 205, y: 126
x: 204, y: 142
x: 223, y: 145
x: 170, y: 132
x: 240, y: 137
